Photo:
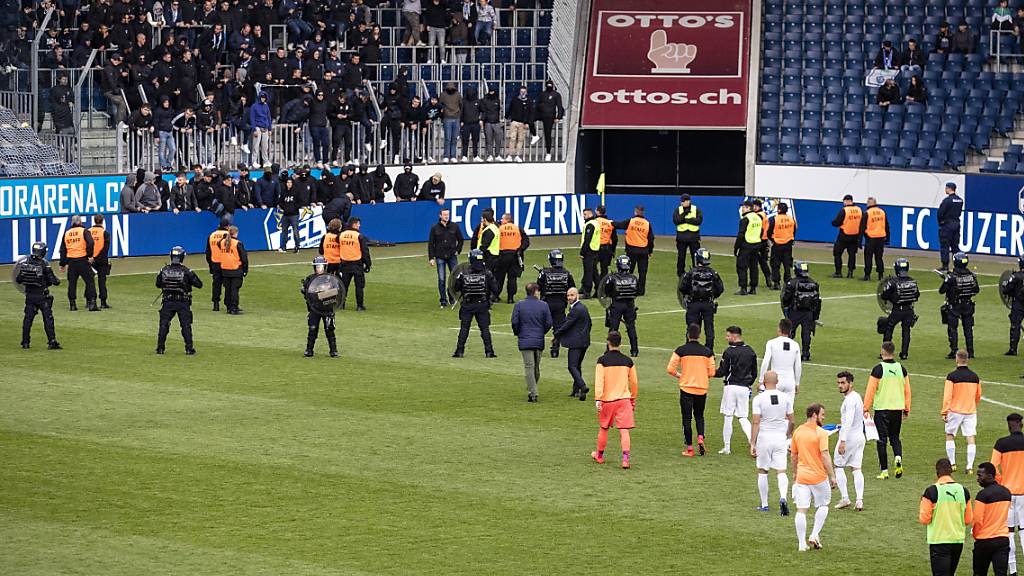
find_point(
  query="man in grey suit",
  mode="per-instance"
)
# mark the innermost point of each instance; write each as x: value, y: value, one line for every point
x: 574, y: 334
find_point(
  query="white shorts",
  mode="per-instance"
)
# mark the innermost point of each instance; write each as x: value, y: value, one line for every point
x: 787, y: 385
x: 735, y: 401
x: 966, y: 423
x: 854, y: 454
x: 821, y: 492
x: 771, y: 452
x: 1016, y: 515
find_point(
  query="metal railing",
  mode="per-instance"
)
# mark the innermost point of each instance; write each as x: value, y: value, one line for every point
x: 995, y: 49
x: 68, y: 146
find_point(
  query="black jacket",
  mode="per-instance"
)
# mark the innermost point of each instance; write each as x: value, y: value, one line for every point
x: 289, y: 201
x: 340, y: 208
x: 574, y: 333
x: 490, y: 109
x: 431, y: 191
x: 445, y: 240
x: 407, y: 184
x: 549, y: 105
x: 738, y: 366
x: 521, y: 110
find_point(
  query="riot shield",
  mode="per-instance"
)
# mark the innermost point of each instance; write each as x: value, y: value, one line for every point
x: 16, y: 270
x: 602, y: 293
x: 458, y: 271
x: 679, y: 293
x: 325, y: 293
x: 1004, y: 279
x: 883, y: 305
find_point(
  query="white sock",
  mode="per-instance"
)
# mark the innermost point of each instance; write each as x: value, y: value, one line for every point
x: 745, y: 425
x: 1012, y: 565
x: 783, y: 485
x: 801, y: 528
x: 762, y: 488
x: 726, y: 432
x: 819, y: 521
x: 951, y: 451
x: 841, y: 483
x: 858, y: 484
x: 972, y: 451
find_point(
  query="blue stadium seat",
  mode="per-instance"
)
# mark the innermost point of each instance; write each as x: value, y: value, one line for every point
x: 790, y: 158
x: 918, y: 163
x: 990, y: 166
x: 878, y: 160
x: 834, y: 159
x: 1008, y: 167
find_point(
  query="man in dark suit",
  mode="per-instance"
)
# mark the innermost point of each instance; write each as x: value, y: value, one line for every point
x: 574, y: 334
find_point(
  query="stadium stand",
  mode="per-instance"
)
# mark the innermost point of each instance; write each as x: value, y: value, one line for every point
x: 23, y: 154
x: 815, y: 108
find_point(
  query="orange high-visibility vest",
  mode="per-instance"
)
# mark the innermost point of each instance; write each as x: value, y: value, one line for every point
x: 350, y: 250
x: 784, y: 229
x: 607, y: 229
x: 636, y: 232
x: 74, y: 242
x: 511, y: 239
x: 332, y: 248
x: 97, y: 240
x: 851, y: 224
x: 764, y: 225
x: 229, y: 258
x: 876, y: 223
x: 214, y: 240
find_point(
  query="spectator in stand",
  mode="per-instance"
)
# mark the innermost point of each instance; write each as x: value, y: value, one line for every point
x: 1018, y: 27
x: 183, y: 125
x: 887, y: 58
x: 289, y: 204
x: 1002, y: 18
x: 341, y: 129
x: 381, y: 184
x: 61, y: 106
x: 487, y: 21
x: 362, y: 186
x: 227, y: 197
x: 245, y: 189
x: 470, y: 15
x: 259, y: 120
x: 916, y: 92
x: 963, y: 39
x: 407, y: 184
x: 163, y: 190
x: 392, y: 109
x: 490, y: 108
x: 521, y: 113
x: 147, y: 197
x: 411, y: 15
x: 458, y: 38
x: 913, y: 59
x: 524, y: 12
x: 435, y: 17
x: 550, y: 111
x: 318, y: 130
x: 268, y: 187
x: 415, y: 120
x: 126, y: 200
x: 433, y: 190
x: 451, y: 101
x: 889, y: 93
x: 183, y: 195
x: 113, y: 80
x: 944, y: 39
x: 472, y: 122
x: 435, y: 117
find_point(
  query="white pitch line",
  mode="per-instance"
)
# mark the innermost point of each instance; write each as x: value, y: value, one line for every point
x: 1003, y: 404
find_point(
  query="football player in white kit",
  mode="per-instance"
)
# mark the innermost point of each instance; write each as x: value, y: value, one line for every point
x: 782, y: 354
x: 850, y: 449
x: 769, y: 437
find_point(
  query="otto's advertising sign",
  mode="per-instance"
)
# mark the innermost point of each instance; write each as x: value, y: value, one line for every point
x: 667, y: 64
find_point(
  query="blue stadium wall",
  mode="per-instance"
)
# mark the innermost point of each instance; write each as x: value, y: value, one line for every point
x: 993, y: 222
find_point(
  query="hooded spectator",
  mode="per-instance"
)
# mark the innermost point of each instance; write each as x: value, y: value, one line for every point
x: 381, y: 183
x: 127, y: 201
x: 407, y: 184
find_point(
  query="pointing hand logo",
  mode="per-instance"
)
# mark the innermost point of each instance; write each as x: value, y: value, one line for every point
x: 670, y: 57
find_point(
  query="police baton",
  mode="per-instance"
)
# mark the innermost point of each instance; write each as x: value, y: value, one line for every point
x: 155, y: 299
x: 456, y: 303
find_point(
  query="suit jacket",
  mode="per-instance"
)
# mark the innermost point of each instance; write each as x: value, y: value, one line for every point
x: 575, y: 331
x: 531, y: 320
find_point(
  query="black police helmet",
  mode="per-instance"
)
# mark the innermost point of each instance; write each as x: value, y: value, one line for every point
x: 902, y: 266
x: 555, y: 258
x: 703, y: 257
x: 476, y: 255
x: 177, y: 255
x: 622, y: 263
x: 39, y: 249
x: 960, y: 260
x: 802, y: 269
x: 319, y: 261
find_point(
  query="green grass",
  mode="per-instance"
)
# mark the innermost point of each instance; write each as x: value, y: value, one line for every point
x: 397, y: 459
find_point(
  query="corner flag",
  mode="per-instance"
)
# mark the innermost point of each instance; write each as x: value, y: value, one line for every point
x: 600, y: 187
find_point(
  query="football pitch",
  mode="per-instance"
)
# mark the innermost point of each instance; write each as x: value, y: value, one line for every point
x: 397, y: 459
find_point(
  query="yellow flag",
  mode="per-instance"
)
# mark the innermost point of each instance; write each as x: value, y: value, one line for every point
x: 600, y: 187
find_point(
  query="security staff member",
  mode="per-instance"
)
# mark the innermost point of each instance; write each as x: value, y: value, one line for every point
x: 609, y: 240
x: 902, y: 292
x: 590, y: 252
x: 355, y: 260
x: 623, y: 288
x: 875, y: 227
x: 477, y: 287
x: 781, y: 233
x: 76, y: 258
x: 849, y: 223
x: 701, y: 286
x: 234, y: 265
x: 762, y: 251
x: 639, y: 245
x: 36, y: 276
x: 313, y: 316
x: 512, y: 245
x: 801, y: 301
x: 330, y: 246
x: 176, y: 281
x: 748, y: 242
x: 213, y: 257
x: 554, y: 282
x: 960, y: 287
x: 1014, y: 288
x: 949, y: 224
x: 100, y: 256
x: 687, y: 219
x: 487, y: 238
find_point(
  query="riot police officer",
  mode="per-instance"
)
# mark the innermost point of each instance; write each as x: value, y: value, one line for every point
x: 960, y: 287
x: 901, y: 291
x: 476, y: 288
x: 318, y: 309
x: 554, y: 282
x: 701, y: 286
x: 176, y: 281
x: 1013, y: 294
x: 623, y: 288
x: 801, y: 303
x: 36, y: 276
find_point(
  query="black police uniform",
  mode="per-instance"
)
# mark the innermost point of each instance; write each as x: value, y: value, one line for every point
x: 623, y: 288
x: 949, y: 226
x: 1014, y: 288
x: 315, y: 317
x: 554, y: 282
x: 477, y: 286
x: 702, y: 286
x: 36, y: 276
x: 902, y: 292
x: 801, y: 299
x: 960, y: 287
x: 176, y: 281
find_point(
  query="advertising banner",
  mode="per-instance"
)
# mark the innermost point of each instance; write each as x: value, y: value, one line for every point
x: 667, y: 64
